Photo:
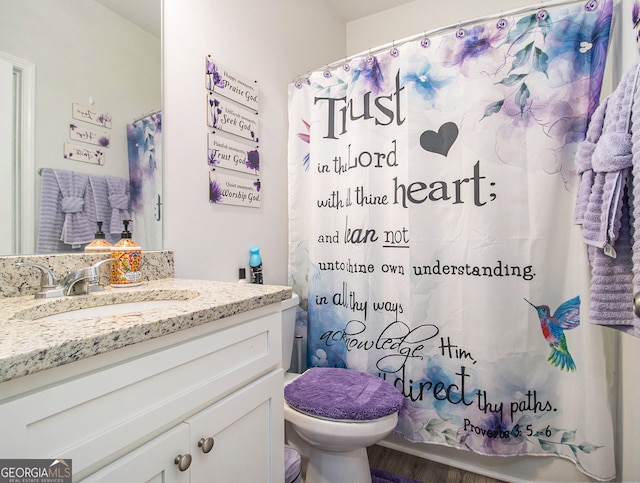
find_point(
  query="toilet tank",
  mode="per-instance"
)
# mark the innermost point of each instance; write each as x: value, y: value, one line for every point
x: 289, y: 308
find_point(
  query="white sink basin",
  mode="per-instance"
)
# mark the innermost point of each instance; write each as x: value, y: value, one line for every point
x: 105, y: 304
x: 115, y: 309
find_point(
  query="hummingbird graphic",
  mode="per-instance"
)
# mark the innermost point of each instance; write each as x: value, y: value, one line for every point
x: 566, y: 317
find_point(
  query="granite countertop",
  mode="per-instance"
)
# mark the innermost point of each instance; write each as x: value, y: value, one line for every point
x: 29, y: 344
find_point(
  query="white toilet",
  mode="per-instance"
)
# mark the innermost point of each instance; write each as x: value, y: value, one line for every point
x: 335, y: 426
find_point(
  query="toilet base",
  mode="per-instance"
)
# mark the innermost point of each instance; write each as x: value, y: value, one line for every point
x: 331, y: 467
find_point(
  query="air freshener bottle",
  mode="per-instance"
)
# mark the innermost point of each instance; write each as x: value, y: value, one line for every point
x: 255, y: 262
x: 126, y: 260
x: 100, y: 243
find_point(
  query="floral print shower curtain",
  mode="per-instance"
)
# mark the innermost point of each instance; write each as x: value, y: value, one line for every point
x: 431, y: 197
x: 144, y: 141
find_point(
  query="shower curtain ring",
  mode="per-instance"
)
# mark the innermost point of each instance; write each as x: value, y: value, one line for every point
x: 370, y: 59
x: 394, y: 52
x: 424, y: 43
x: 502, y: 23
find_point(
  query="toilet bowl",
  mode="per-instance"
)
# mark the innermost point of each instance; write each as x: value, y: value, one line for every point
x: 337, y: 413
x: 328, y: 412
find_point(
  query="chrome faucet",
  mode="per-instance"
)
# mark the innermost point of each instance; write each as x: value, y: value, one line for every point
x: 84, y: 280
x: 78, y: 282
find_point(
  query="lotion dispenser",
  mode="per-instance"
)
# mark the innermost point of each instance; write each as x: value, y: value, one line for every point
x: 126, y: 260
x: 100, y: 243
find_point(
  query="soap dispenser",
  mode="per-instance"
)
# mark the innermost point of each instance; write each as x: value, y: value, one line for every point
x: 126, y: 260
x: 100, y: 243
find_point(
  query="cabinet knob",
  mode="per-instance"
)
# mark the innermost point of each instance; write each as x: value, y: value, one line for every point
x: 206, y: 444
x: 183, y: 461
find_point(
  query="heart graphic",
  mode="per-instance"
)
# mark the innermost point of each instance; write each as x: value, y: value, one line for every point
x: 440, y: 142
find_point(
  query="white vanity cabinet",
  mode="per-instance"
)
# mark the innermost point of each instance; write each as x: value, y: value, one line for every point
x: 129, y: 414
x: 153, y: 462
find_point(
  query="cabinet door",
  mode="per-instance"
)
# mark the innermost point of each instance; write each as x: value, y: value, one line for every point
x: 151, y: 463
x: 248, y: 435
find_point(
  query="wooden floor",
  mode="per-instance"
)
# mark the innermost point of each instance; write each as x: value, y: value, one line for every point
x: 420, y: 469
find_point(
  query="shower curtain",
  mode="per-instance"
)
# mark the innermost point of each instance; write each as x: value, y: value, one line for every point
x: 144, y: 141
x: 431, y: 196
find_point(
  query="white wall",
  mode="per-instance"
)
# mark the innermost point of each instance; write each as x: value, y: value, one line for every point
x: 271, y: 42
x: 423, y: 15
x: 417, y: 17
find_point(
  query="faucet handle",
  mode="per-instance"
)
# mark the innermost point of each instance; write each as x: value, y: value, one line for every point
x: 101, y: 262
x: 94, y: 274
x: 84, y: 280
x: 47, y: 277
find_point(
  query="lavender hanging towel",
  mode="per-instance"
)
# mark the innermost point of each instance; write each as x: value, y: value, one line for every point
x: 584, y: 168
x: 100, y: 192
x: 604, y: 161
x: 611, y: 163
x: 51, y: 217
x: 343, y: 394
x: 77, y: 228
x: 119, y: 202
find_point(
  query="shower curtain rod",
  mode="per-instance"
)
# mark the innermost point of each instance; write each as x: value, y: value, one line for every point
x: 146, y: 114
x: 427, y: 33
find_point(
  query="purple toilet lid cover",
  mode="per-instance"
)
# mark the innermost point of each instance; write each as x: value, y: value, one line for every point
x: 335, y: 393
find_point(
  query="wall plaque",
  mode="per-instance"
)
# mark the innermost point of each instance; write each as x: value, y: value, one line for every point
x: 86, y: 135
x: 233, y: 190
x: 91, y: 115
x: 226, y: 153
x: 84, y: 154
x: 227, y: 83
x: 222, y: 114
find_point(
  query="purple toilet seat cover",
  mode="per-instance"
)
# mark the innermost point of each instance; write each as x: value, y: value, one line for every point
x: 335, y: 393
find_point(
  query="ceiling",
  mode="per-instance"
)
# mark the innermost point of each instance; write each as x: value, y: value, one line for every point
x: 146, y: 13
x: 354, y: 9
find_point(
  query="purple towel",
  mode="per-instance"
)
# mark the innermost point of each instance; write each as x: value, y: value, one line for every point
x: 65, y: 212
x: 77, y: 227
x: 119, y: 202
x: 607, y: 151
x: 292, y: 464
x: 381, y: 476
x: 343, y: 394
x: 70, y: 205
x: 583, y: 161
x: 605, y: 206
